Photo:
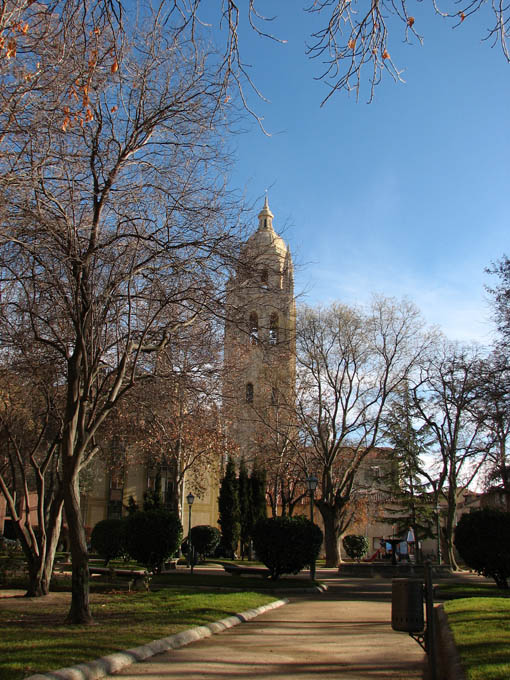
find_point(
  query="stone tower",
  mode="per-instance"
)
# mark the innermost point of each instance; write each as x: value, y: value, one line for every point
x: 258, y: 393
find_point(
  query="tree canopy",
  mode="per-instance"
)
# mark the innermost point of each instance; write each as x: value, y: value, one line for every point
x: 117, y: 231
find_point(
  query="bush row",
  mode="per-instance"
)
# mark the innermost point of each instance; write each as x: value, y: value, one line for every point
x: 284, y: 544
x: 150, y: 537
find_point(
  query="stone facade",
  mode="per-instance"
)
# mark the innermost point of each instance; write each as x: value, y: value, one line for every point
x: 259, y: 351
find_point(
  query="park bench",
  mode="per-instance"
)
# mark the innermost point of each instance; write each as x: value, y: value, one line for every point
x: 137, y: 576
x: 238, y: 570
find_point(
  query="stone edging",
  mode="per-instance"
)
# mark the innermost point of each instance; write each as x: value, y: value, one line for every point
x: 115, y: 662
x: 448, y: 656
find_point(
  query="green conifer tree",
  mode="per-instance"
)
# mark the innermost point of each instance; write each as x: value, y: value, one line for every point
x: 246, y: 510
x: 406, y: 481
x: 228, y: 506
x: 258, y: 492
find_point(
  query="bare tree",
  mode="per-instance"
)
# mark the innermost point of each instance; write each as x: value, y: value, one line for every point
x: 501, y: 298
x: 492, y: 409
x: 58, y: 49
x: 114, y: 235
x: 29, y: 463
x: 351, y: 41
x: 350, y: 361
x: 281, y: 454
x: 171, y: 421
x: 444, y: 396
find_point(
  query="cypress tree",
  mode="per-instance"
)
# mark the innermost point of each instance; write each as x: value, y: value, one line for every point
x: 258, y: 492
x: 228, y: 505
x: 245, y: 507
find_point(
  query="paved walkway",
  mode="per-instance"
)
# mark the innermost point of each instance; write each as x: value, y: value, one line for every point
x: 345, y: 633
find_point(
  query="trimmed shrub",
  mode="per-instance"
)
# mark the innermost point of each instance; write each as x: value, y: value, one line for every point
x: 193, y: 558
x: 205, y: 539
x: 152, y: 537
x: 286, y: 544
x: 108, y: 539
x: 355, y: 546
x: 482, y: 539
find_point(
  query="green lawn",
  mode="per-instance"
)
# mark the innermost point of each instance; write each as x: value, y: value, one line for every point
x: 34, y: 639
x: 481, y: 628
x: 456, y: 590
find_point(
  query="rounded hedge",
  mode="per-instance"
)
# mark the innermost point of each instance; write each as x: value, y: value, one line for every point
x: 152, y: 537
x: 205, y: 539
x: 108, y: 539
x: 482, y: 539
x: 286, y: 544
x: 355, y: 546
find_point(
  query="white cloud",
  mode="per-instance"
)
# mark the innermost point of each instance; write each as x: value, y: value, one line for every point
x: 456, y: 304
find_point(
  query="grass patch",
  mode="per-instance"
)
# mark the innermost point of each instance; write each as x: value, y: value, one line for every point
x: 481, y: 628
x: 179, y: 579
x: 33, y: 638
x: 456, y: 590
x: 220, y: 579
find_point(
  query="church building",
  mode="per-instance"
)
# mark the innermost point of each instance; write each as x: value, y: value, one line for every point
x: 259, y: 349
x: 259, y: 382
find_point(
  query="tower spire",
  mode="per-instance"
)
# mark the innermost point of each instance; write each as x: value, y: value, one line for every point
x: 266, y: 216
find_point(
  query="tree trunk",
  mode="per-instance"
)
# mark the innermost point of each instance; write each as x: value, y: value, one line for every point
x: 417, y: 549
x: 449, y: 530
x: 40, y: 554
x: 330, y: 534
x: 52, y: 537
x: 79, y: 612
x: 35, y: 579
x: 40, y: 572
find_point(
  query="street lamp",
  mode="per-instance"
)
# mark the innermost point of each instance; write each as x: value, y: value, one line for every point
x: 438, y: 529
x: 311, y: 483
x: 190, y: 498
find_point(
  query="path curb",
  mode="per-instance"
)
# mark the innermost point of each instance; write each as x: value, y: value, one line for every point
x: 450, y: 666
x: 112, y: 663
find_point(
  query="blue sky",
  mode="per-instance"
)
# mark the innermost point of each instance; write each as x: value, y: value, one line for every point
x: 406, y: 196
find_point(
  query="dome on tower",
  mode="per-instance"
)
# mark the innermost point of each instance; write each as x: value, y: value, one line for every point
x: 265, y: 240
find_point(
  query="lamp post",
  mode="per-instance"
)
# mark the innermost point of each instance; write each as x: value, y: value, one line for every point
x: 190, y: 498
x: 311, y: 483
x: 438, y: 529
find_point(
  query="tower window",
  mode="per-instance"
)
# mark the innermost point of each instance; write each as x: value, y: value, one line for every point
x: 254, y: 328
x: 273, y: 329
x: 249, y: 393
x: 274, y: 396
x: 264, y: 278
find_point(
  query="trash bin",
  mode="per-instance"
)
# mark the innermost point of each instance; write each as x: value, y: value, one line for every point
x: 407, y: 605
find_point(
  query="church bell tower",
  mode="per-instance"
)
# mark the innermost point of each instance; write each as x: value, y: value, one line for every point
x: 259, y: 346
